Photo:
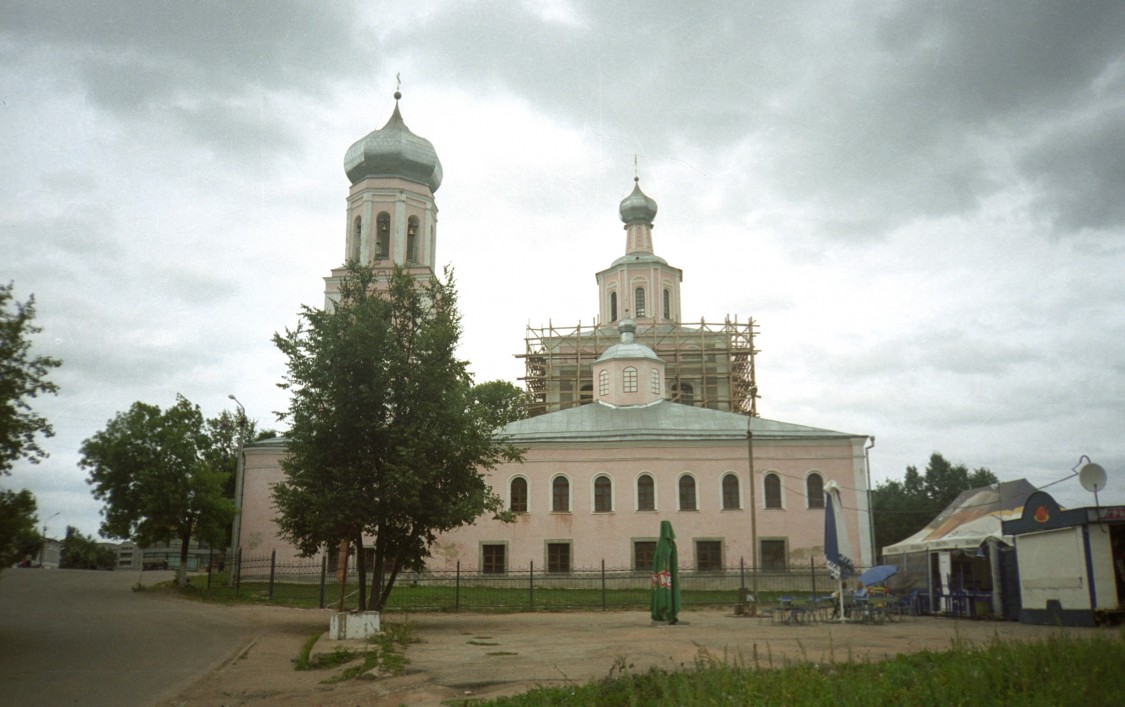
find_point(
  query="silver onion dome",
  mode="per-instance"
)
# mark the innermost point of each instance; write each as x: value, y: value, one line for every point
x: 637, y: 207
x: 394, y: 151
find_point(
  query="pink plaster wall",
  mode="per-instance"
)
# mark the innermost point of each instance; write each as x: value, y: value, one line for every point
x: 608, y: 536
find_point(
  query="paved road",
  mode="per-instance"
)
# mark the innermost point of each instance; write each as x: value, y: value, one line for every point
x: 84, y: 637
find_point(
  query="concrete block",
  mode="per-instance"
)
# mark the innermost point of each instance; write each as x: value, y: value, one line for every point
x: 348, y: 626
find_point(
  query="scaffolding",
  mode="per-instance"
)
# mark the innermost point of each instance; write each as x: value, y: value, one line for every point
x: 708, y: 365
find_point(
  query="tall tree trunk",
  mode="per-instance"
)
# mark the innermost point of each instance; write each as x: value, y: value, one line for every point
x: 361, y: 571
x: 377, y: 573
x: 342, y: 571
x: 390, y: 585
x: 181, y: 571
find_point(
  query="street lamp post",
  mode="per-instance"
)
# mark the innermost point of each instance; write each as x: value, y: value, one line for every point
x: 236, y: 524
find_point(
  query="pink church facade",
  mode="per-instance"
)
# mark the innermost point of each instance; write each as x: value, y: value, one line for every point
x: 598, y: 478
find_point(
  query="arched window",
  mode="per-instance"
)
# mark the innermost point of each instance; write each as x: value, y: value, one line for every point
x: 687, y: 493
x: 654, y: 382
x: 667, y: 303
x: 732, y: 497
x: 612, y: 306
x: 639, y: 302
x: 646, y: 493
x: 412, y: 239
x: 629, y: 378
x: 772, y: 485
x: 586, y: 393
x: 684, y: 393
x: 603, y: 494
x: 560, y: 495
x: 383, y: 236
x: 517, y: 495
x: 357, y: 235
x: 603, y: 382
x: 814, y: 490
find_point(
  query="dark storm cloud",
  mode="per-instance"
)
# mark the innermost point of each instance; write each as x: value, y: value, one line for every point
x: 879, y: 110
x: 196, y: 64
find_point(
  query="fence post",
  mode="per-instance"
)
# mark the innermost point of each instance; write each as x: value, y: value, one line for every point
x: 210, y: 562
x: 323, y: 577
x: 238, y: 571
x: 273, y: 567
x: 457, y: 588
x: 603, y: 584
x: 531, y: 586
x: 742, y: 574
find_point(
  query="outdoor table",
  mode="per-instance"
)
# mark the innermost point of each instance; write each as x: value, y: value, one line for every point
x: 791, y: 611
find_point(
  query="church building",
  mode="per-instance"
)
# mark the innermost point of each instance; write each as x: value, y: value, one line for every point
x: 636, y: 419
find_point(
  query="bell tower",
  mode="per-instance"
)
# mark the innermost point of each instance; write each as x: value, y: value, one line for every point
x: 391, y: 212
x: 639, y: 285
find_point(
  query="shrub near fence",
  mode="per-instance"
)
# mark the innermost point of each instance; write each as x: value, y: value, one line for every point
x: 311, y: 583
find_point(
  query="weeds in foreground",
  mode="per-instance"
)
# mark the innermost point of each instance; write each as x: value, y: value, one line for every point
x: 384, y: 653
x: 1060, y: 670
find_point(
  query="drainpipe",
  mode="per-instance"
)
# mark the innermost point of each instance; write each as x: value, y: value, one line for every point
x: 870, y: 507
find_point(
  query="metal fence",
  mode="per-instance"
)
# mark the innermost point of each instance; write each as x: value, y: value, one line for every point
x: 313, y: 583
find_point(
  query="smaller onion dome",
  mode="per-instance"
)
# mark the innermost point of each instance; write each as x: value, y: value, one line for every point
x: 637, y: 207
x: 394, y: 151
x: 628, y: 347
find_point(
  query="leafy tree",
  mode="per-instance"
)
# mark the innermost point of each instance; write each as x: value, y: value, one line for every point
x: 387, y: 441
x: 162, y: 475
x: 80, y: 552
x: 22, y: 376
x: 507, y: 402
x: 18, y: 536
x: 902, y: 508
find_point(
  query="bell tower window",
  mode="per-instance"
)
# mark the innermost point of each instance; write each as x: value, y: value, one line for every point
x: 639, y: 302
x: 412, y: 239
x: 383, y: 236
x: 612, y: 306
x: 667, y: 304
x: 357, y: 234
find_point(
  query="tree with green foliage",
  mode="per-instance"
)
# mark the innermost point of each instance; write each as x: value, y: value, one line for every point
x: 904, y: 507
x: 387, y: 442
x: 19, y: 538
x: 22, y: 376
x: 506, y: 401
x: 80, y: 552
x: 162, y: 475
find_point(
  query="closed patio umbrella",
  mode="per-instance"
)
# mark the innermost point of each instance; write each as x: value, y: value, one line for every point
x: 665, y: 577
x: 837, y: 549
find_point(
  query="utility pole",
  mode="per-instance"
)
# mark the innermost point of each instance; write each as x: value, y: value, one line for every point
x: 236, y: 524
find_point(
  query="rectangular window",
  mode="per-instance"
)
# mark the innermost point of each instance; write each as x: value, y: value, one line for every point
x: 773, y: 554
x: 558, y: 557
x: 708, y: 555
x: 654, y: 382
x: 494, y: 558
x: 629, y: 377
x: 643, y: 552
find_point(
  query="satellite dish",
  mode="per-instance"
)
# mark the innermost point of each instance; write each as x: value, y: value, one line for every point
x: 1092, y: 477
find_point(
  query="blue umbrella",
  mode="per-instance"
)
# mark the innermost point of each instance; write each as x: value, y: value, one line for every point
x: 878, y: 574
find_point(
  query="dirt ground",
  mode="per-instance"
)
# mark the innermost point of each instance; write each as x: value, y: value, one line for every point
x: 462, y: 656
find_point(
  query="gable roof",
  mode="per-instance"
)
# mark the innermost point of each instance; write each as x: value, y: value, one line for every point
x: 661, y: 421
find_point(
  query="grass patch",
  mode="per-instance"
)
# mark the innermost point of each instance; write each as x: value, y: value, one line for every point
x: 482, y: 643
x: 502, y: 653
x: 385, y: 652
x: 1060, y: 670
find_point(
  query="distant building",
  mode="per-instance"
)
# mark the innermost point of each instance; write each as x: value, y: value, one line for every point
x: 638, y: 418
x: 165, y: 556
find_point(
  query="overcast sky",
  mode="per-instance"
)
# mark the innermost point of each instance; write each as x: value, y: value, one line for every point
x: 922, y: 204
